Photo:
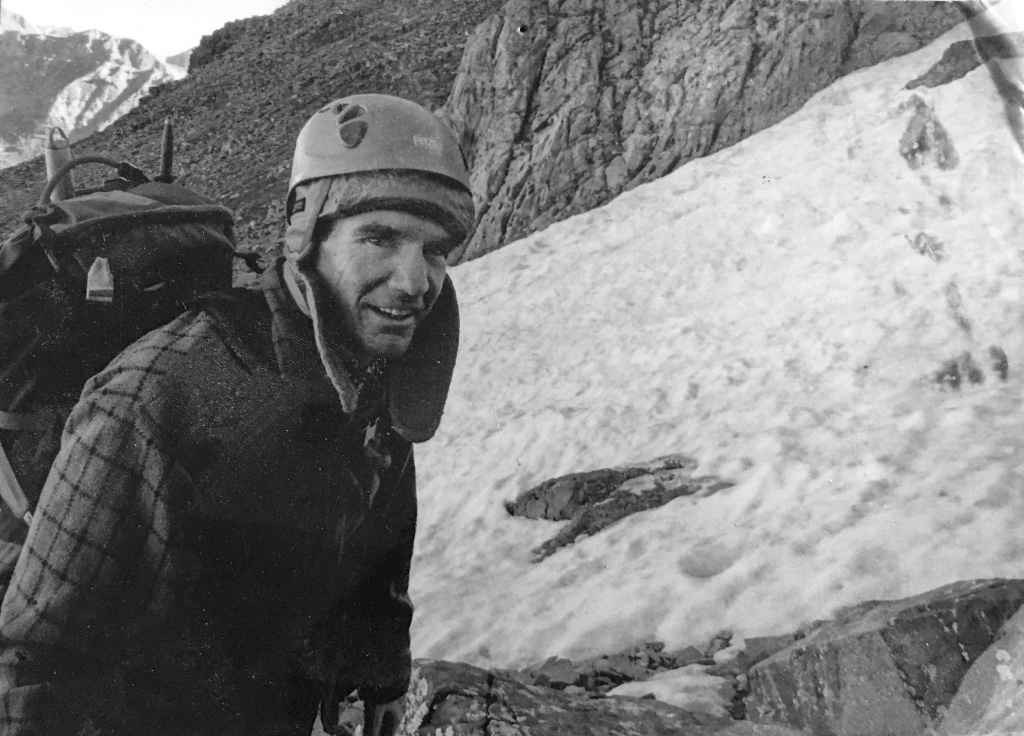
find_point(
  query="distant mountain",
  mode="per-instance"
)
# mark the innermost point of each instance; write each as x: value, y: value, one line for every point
x: 180, y: 60
x: 15, y: 23
x: 80, y: 81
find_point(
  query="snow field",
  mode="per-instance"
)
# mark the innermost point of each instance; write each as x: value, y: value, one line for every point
x: 763, y: 310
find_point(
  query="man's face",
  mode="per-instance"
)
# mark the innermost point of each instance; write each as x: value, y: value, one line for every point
x: 384, y: 270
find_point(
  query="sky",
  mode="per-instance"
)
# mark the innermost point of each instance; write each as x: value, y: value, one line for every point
x: 782, y: 312
x: 164, y: 27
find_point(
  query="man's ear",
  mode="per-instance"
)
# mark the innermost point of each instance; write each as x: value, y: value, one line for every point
x: 418, y: 381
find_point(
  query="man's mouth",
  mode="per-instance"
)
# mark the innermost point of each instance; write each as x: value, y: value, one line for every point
x: 394, y: 314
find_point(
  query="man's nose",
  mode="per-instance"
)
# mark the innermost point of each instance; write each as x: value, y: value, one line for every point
x: 410, y: 274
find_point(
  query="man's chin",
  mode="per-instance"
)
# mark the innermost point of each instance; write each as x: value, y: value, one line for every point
x: 388, y: 346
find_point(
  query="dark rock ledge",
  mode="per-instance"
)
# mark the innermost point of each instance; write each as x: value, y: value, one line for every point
x: 880, y: 667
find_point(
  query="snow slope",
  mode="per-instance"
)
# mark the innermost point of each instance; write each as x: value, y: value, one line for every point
x: 763, y: 310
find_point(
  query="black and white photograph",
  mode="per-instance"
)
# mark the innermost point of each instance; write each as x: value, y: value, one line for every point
x: 511, y: 367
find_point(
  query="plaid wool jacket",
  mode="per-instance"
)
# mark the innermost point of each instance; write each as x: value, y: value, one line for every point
x: 217, y: 544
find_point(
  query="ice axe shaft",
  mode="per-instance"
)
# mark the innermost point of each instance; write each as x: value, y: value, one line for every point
x: 167, y: 154
x: 57, y: 153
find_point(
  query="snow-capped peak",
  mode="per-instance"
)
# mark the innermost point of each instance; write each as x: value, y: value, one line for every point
x: 110, y: 76
x: 16, y: 23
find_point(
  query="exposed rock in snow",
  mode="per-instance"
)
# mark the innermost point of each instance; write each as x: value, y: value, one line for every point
x: 81, y: 82
x: 559, y: 499
x: 595, y: 500
x: 959, y: 59
x: 925, y: 140
x: 991, y: 697
x: 448, y: 699
x: 883, y: 667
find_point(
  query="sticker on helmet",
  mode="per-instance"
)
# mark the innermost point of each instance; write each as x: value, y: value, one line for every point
x: 424, y: 142
x: 352, y: 112
x: 352, y: 133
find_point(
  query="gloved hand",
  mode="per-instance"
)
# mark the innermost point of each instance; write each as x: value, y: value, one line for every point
x: 382, y: 718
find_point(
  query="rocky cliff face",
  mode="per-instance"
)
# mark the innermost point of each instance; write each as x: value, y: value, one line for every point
x: 81, y: 82
x: 565, y: 104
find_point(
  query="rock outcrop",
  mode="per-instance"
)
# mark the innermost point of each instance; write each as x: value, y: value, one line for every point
x: 214, y: 45
x: 449, y: 699
x: 594, y: 500
x: 925, y: 142
x: 991, y: 696
x: 563, y: 104
x: 945, y: 662
x: 81, y: 82
x: 885, y: 667
x: 959, y: 59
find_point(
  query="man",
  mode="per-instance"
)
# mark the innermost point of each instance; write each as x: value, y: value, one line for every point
x: 223, y: 542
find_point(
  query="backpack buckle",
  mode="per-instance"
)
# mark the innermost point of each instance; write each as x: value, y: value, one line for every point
x: 45, y: 238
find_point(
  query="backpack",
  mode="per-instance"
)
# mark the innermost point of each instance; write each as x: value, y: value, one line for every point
x: 79, y: 282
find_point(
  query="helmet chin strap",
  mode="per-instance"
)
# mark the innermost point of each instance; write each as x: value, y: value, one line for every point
x: 291, y: 278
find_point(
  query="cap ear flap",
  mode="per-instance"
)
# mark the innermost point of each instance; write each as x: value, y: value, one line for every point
x: 299, y: 235
x: 418, y: 382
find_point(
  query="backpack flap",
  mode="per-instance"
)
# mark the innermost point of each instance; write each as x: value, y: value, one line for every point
x: 159, y: 256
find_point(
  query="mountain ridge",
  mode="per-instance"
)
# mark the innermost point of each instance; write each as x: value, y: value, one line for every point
x: 80, y: 81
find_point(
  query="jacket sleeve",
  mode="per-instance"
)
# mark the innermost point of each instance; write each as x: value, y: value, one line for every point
x: 367, y: 632
x: 88, y: 575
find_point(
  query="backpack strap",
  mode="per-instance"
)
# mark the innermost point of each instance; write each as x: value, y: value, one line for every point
x: 10, y: 490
